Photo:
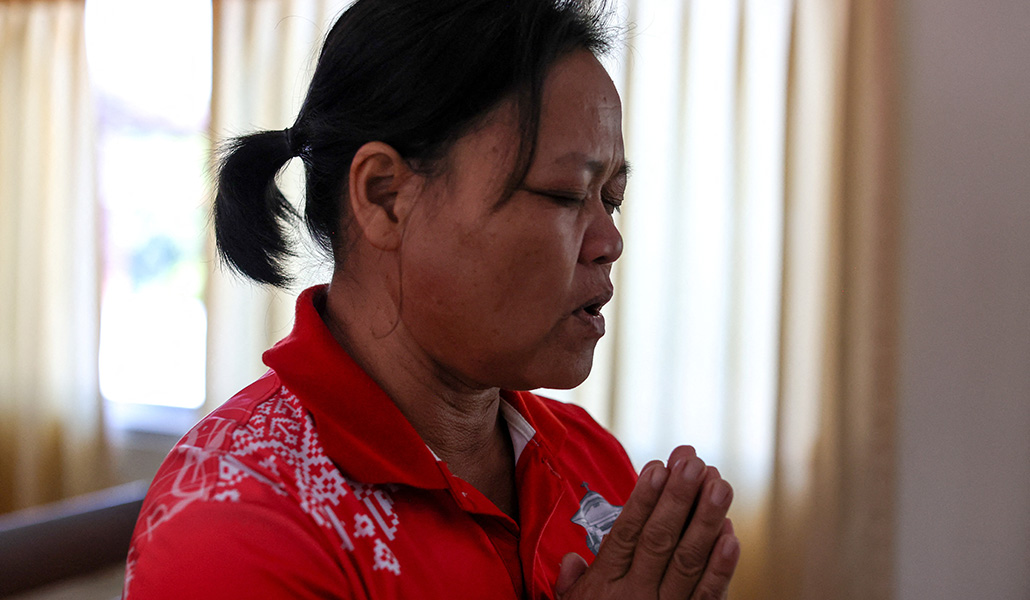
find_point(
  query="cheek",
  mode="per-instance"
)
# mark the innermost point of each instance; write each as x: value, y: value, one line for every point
x: 494, y: 304
x: 498, y: 279
x: 545, y: 267
x: 533, y: 259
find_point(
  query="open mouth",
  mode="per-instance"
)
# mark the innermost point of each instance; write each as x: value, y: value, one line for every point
x: 594, y: 305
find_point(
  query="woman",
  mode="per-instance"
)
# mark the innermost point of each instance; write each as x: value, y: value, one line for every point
x: 463, y: 160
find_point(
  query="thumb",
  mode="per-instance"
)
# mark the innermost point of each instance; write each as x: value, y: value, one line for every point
x: 572, y: 568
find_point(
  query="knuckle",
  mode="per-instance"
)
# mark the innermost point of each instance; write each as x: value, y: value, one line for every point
x: 619, y: 540
x: 658, y: 540
x: 689, y: 562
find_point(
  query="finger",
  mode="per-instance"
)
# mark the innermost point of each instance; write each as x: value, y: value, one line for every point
x: 711, y: 472
x: 616, y: 553
x: 665, y: 527
x: 681, y: 453
x: 695, y: 549
x: 727, y: 526
x: 715, y: 582
x: 572, y: 568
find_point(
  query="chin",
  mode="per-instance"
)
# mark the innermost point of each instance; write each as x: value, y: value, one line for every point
x: 561, y: 374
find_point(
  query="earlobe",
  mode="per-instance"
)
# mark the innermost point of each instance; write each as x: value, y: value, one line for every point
x: 378, y: 189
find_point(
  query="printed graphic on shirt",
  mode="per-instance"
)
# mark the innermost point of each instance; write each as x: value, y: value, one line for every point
x: 277, y: 447
x: 596, y: 515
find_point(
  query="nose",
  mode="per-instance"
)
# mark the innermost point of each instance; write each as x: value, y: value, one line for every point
x: 602, y: 242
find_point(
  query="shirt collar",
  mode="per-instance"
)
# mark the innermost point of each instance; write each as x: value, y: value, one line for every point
x: 359, y: 426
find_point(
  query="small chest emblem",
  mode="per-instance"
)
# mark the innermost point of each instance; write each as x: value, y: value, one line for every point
x: 596, y: 515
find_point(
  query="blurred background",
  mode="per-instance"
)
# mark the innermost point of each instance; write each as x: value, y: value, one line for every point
x: 825, y: 288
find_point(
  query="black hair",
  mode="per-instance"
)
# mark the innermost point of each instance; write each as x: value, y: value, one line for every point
x: 414, y: 74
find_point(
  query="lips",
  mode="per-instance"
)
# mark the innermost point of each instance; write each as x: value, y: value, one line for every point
x: 593, y: 306
x: 590, y: 311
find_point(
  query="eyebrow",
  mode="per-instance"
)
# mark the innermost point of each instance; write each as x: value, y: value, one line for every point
x: 596, y: 167
x: 624, y: 170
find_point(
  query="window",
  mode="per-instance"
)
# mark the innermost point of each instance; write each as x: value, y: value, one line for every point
x: 150, y: 67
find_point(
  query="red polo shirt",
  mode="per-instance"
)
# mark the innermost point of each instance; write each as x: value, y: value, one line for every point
x: 310, y: 483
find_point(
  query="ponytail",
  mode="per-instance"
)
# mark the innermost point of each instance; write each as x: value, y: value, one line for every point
x: 250, y: 213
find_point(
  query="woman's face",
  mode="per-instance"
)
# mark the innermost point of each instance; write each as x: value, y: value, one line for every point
x: 508, y: 295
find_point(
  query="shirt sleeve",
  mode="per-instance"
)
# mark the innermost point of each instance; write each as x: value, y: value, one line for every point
x: 225, y: 549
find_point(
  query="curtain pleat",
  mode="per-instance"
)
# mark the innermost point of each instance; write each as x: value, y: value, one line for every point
x: 756, y: 297
x: 51, y: 426
x: 831, y: 516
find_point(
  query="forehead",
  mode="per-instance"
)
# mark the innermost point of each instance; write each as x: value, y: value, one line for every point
x: 580, y: 116
x: 580, y: 76
x: 579, y: 131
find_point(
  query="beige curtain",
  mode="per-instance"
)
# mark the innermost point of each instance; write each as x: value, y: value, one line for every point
x: 830, y: 524
x: 51, y: 442
x: 755, y: 314
x: 264, y: 54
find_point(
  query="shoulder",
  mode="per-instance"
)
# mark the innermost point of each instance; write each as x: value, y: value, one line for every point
x: 242, y: 501
x: 236, y: 449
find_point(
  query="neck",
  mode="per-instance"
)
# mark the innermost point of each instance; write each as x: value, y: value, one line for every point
x: 460, y: 422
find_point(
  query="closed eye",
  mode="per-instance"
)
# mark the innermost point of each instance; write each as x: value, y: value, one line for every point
x: 612, y: 204
x: 560, y: 198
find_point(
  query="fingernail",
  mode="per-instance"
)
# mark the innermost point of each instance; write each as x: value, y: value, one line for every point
x: 729, y: 547
x: 695, y: 467
x: 719, y: 493
x: 658, y: 474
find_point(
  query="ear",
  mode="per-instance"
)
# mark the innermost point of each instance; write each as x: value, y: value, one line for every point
x: 380, y: 192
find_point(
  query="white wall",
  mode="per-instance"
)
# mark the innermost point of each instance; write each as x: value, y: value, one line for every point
x: 965, y: 383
